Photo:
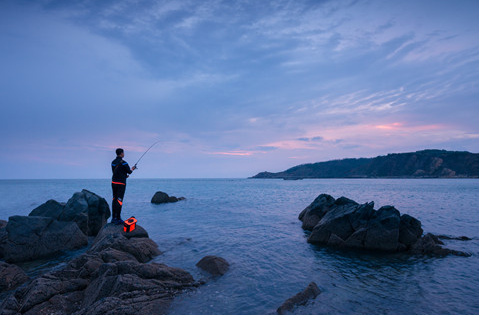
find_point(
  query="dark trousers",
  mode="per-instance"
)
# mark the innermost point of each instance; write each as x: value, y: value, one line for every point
x: 118, y: 194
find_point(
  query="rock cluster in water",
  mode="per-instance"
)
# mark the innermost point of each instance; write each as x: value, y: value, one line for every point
x: 162, y: 197
x: 344, y: 223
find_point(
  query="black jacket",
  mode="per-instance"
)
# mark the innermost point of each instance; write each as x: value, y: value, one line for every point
x: 120, y: 170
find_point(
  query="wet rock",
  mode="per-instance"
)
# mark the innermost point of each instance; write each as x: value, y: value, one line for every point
x: 162, y: 197
x: 456, y: 238
x: 88, y: 210
x: 11, y: 276
x: 214, y: 265
x: 30, y: 238
x: 311, y: 292
x: 430, y: 244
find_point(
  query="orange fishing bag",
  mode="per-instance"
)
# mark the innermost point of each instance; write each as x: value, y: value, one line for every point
x: 129, y: 224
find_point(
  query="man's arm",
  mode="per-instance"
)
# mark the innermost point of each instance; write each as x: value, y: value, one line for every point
x: 127, y: 167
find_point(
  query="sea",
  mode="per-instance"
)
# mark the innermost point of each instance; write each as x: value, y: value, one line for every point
x: 253, y: 224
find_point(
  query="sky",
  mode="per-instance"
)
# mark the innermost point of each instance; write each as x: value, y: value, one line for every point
x: 231, y: 88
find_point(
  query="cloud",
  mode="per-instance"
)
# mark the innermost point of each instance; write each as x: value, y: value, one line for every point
x: 265, y: 148
x: 313, y: 139
x: 265, y: 81
x: 233, y: 153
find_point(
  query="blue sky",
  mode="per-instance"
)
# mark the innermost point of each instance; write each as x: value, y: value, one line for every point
x: 232, y: 88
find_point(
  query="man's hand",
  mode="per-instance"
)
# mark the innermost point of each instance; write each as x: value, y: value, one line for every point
x: 133, y: 168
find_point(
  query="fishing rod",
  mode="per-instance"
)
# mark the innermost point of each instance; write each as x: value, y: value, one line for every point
x: 145, y: 153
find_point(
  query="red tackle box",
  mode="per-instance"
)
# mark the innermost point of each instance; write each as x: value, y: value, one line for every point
x: 129, y: 224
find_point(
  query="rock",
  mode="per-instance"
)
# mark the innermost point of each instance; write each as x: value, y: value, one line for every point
x: 161, y: 197
x: 38, y: 295
x: 338, y: 221
x: 457, y: 238
x: 214, y: 265
x: 11, y: 276
x: 32, y: 237
x: 107, y: 279
x: 311, y: 292
x: 409, y: 230
x: 383, y: 230
x: 347, y: 224
x: 88, y: 210
x: 130, y: 280
x: 51, y: 209
x: 335, y: 240
x: 3, y: 237
x: 112, y: 229
x: 113, y: 237
x: 315, y: 211
x: 429, y: 244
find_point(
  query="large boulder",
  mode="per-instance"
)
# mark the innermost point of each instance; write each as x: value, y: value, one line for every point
x: 11, y: 276
x: 88, y: 210
x: 345, y: 223
x: 162, y: 197
x: 217, y: 266
x: 108, y: 279
x: 310, y: 293
x: 30, y: 238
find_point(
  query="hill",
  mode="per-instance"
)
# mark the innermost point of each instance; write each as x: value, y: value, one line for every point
x: 425, y: 163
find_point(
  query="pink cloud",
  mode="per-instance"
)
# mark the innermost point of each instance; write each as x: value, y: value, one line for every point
x: 395, y: 125
x: 236, y: 153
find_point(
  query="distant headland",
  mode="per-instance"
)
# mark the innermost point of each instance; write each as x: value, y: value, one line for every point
x: 419, y: 164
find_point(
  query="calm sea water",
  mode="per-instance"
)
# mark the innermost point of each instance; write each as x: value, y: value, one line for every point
x: 254, y: 225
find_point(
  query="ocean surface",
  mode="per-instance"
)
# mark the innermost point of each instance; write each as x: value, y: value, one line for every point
x: 254, y: 225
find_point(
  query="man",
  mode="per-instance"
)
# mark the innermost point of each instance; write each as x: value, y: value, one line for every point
x: 120, y: 170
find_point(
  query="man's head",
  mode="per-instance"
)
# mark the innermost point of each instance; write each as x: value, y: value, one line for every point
x: 120, y: 152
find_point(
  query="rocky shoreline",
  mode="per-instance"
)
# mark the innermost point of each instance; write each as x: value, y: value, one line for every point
x: 114, y: 276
